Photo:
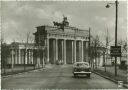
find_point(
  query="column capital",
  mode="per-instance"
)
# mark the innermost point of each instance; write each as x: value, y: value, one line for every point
x: 75, y: 40
x: 64, y: 39
x: 57, y: 38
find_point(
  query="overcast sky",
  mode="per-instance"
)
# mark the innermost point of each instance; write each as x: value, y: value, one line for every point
x: 18, y: 18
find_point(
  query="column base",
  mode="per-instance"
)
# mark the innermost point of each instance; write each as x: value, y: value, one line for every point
x: 47, y: 61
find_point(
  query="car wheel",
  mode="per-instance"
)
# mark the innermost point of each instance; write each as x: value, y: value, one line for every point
x: 88, y: 75
x: 75, y: 75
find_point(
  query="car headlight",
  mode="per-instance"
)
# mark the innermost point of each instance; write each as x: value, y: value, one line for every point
x: 89, y: 69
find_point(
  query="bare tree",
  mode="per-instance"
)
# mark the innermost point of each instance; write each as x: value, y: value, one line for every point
x: 28, y: 39
x: 2, y: 47
x: 123, y: 44
x: 95, y: 44
x: 26, y: 47
x: 107, y: 43
x: 5, y: 52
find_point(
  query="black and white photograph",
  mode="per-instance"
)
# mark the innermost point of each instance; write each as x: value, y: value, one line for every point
x: 63, y: 45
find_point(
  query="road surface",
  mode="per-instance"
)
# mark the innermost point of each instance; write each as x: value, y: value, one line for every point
x: 55, y: 77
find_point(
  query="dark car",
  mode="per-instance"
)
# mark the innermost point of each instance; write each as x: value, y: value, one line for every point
x: 81, y: 68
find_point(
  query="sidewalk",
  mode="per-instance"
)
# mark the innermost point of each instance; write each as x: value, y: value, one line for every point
x: 20, y: 69
x: 110, y: 73
x: 16, y: 70
x: 111, y: 69
x: 47, y: 66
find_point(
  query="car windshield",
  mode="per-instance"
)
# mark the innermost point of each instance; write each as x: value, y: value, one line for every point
x: 81, y: 64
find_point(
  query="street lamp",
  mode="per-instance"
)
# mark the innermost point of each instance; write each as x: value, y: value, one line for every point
x: 107, y: 6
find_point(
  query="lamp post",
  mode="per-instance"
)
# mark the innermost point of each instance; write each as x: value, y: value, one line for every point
x: 90, y: 62
x: 116, y: 20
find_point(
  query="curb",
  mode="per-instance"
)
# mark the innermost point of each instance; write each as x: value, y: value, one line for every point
x: 115, y: 81
x: 44, y: 68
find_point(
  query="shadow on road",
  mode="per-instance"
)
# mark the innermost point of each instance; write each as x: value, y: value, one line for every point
x: 81, y: 77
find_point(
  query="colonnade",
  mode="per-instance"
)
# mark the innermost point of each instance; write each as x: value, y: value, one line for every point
x: 68, y: 51
x: 65, y: 50
x: 19, y: 55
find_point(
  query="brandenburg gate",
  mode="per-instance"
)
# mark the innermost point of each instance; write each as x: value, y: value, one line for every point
x: 64, y: 43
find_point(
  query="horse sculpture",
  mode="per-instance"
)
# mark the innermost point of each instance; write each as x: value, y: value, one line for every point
x: 56, y: 23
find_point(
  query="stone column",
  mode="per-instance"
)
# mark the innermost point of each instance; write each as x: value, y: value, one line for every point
x: 29, y: 56
x: 32, y: 57
x: 79, y: 51
x: 62, y: 43
x: 19, y: 57
x: 74, y: 50
x: 47, y: 49
x: 56, y: 49
x: 15, y: 62
x: 22, y: 56
x: 26, y: 56
x: 54, y: 54
x: 82, y: 58
x: 12, y: 58
x: 64, y: 51
x: 87, y: 48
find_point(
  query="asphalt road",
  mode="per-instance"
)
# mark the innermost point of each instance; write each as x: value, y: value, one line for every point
x: 55, y: 77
